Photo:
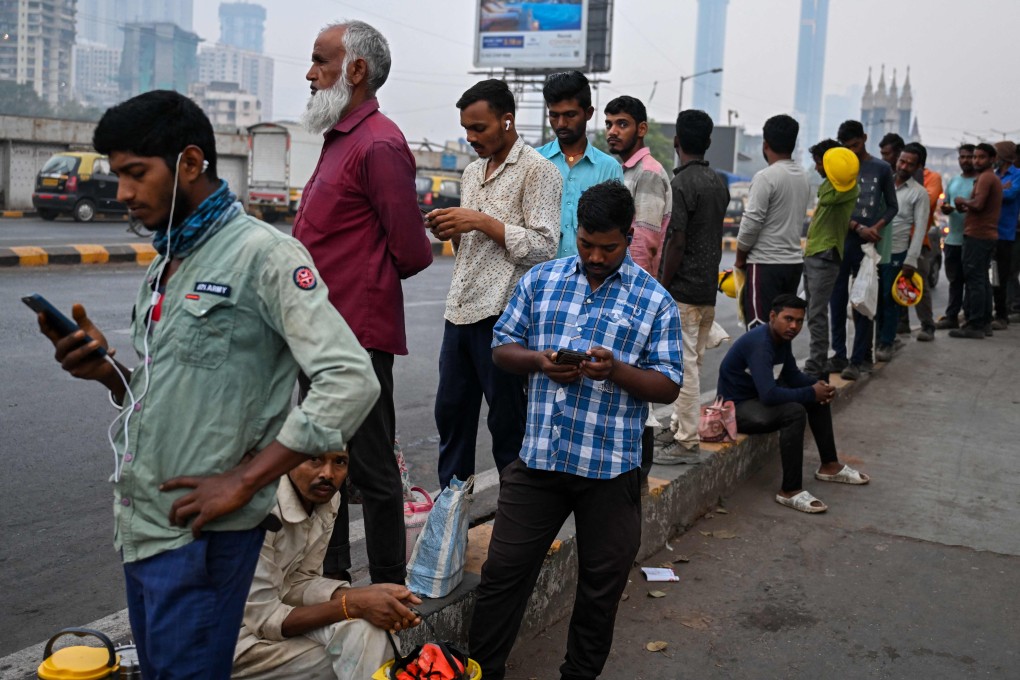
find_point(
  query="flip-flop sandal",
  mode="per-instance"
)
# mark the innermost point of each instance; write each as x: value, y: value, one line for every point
x: 845, y: 476
x: 802, y: 502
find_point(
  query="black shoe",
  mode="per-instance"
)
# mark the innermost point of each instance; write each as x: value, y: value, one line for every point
x: 835, y: 365
x: 884, y: 353
x: 945, y: 323
x: 851, y: 372
x: 989, y: 331
x: 926, y: 335
x: 972, y: 333
x: 1000, y: 324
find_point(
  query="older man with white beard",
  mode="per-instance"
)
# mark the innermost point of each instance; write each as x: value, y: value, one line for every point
x: 359, y: 220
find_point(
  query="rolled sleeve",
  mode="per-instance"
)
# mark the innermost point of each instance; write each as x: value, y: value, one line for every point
x: 538, y: 238
x: 343, y: 384
x: 664, y: 351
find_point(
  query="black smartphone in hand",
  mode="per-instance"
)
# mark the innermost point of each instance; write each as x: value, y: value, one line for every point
x: 570, y: 356
x: 55, y: 318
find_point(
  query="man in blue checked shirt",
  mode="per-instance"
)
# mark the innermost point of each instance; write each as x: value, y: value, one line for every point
x: 582, y: 448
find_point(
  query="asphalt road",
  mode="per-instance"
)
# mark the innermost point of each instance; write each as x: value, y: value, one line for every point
x: 32, y: 231
x: 58, y: 566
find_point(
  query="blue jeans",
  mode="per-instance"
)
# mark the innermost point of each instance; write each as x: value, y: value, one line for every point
x: 863, y: 328
x: 888, y: 311
x: 186, y: 605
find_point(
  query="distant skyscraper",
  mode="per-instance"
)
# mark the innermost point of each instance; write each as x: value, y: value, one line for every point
x: 96, y: 74
x: 709, y: 47
x: 253, y: 73
x: 814, y: 21
x: 36, y: 39
x: 242, y: 24
x: 157, y: 56
x: 102, y: 21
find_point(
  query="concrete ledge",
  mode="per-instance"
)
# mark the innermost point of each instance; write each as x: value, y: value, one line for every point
x: 35, y: 256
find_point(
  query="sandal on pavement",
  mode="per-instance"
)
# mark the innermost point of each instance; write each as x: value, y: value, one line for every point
x: 803, y: 502
x: 845, y: 476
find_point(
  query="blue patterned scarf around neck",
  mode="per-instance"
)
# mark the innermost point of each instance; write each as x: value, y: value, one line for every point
x: 208, y: 218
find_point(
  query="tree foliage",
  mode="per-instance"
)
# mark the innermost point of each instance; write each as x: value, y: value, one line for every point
x: 656, y: 140
x: 22, y: 100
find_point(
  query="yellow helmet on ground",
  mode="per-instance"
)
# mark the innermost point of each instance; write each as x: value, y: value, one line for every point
x: 841, y: 167
x: 908, y: 292
x: 727, y: 284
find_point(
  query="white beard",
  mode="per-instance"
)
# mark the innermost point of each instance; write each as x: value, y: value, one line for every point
x: 325, y: 107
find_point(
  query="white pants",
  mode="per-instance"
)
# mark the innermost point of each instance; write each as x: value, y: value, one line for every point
x: 346, y: 650
x: 695, y: 323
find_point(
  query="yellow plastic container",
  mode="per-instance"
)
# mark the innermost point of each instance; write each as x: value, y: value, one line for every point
x: 474, y: 670
x: 79, y: 662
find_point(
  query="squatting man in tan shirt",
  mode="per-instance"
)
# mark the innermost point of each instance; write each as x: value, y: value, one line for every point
x: 298, y: 624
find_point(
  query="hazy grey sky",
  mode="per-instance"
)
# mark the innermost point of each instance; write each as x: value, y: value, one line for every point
x: 962, y: 84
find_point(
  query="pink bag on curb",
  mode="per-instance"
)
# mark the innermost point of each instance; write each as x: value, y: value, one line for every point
x: 416, y: 511
x: 718, y: 422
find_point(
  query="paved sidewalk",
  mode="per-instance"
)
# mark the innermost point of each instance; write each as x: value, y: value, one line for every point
x: 912, y: 576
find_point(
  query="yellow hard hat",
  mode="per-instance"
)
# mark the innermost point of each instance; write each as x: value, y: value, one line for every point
x: 908, y: 292
x: 727, y: 284
x: 841, y: 167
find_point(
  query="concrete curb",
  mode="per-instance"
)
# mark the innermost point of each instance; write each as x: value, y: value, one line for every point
x: 35, y: 256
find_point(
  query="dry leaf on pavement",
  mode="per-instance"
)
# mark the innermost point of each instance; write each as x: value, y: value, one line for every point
x: 724, y: 533
x: 656, y: 593
x: 656, y: 646
x: 682, y: 558
x: 695, y: 621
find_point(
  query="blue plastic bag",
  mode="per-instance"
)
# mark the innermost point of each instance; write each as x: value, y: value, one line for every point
x: 436, y: 566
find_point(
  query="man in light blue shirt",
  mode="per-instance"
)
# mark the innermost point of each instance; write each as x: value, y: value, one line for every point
x: 952, y: 247
x: 568, y: 99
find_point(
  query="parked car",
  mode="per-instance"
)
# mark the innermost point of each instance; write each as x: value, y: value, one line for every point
x: 731, y: 221
x: 79, y: 184
x: 437, y: 191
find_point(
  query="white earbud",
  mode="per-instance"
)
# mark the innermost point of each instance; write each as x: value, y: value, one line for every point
x: 508, y: 125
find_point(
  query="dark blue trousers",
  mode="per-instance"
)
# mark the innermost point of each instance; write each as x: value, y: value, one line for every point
x: 466, y: 374
x: 863, y: 328
x: 186, y: 605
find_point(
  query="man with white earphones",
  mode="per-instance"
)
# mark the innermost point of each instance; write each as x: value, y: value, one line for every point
x: 229, y: 311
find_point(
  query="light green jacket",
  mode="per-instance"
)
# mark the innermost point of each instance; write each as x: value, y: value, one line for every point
x: 240, y: 316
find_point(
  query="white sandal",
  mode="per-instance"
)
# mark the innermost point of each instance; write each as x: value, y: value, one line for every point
x: 802, y: 502
x: 847, y: 475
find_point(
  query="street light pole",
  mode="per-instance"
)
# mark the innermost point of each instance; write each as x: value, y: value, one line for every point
x: 684, y: 79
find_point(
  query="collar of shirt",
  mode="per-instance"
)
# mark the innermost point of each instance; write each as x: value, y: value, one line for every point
x: 553, y: 150
x: 292, y: 510
x: 636, y: 158
x: 689, y: 163
x: 511, y: 159
x: 355, y: 116
x: 625, y: 272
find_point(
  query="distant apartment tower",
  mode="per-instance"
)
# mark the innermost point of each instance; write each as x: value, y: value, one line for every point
x: 36, y: 39
x: 242, y: 24
x: 226, y: 104
x: 709, y: 49
x: 814, y: 21
x: 252, y: 72
x: 157, y: 56
x: 101, y: 21
x: 96, y: 75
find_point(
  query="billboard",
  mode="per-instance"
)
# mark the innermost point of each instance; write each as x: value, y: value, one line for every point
x: 532, y: 35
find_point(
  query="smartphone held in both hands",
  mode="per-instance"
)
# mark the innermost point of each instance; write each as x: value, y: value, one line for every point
x: 571, y: 356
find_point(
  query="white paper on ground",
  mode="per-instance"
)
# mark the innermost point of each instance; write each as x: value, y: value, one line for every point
x: 659, y: 574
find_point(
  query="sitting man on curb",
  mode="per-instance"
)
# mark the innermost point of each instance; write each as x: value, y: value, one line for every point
x: 764, y: 404
x: 298, y: 624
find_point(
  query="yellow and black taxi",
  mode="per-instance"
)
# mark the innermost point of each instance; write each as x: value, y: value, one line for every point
x: 79, y: 184
x: 437, y: 191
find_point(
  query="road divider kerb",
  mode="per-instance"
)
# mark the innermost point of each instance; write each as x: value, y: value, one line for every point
x: 79, y: 253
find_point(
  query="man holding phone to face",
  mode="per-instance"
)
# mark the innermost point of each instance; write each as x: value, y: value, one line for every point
x: 582, y: 447
x: 228, y: 312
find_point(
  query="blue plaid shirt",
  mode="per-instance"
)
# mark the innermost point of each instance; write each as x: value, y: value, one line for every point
x: 590, y: 428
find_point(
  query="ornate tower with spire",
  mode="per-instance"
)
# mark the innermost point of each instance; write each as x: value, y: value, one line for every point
x: 888, y: 110
x: 906, y: 110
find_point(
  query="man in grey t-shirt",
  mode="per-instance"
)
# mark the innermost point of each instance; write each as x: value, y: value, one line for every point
x: 768, y: 243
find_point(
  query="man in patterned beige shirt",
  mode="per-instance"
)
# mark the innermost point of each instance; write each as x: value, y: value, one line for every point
x: 509, y: 221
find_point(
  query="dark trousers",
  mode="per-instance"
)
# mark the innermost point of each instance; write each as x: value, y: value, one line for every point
x: 888, y: 311
x: 977, y: 291
x: 754, y: 417
x: 466, y: 374
x: 1003, y: 266
x: 532, y: 507
x: 1013, y: 289
x: 765, y: 282
x: 953, y: 258
x: 863, y: 328
x: 186, y: 605
x: 373, y: 469
x: 923, y: 308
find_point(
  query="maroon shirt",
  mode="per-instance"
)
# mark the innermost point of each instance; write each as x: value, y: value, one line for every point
x: 359, y: 220
x: 982, y: 221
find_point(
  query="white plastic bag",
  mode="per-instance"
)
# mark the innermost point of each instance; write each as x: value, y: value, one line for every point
x: 717, y: 335
x: 436, y: 566
x: 864, y: 291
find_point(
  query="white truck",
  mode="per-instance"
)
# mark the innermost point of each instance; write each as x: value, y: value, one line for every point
x: 269, y: 176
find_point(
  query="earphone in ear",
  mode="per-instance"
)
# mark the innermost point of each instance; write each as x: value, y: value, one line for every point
x: 508, y: 125
x: 205, y: 165
x: 630, y: 238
